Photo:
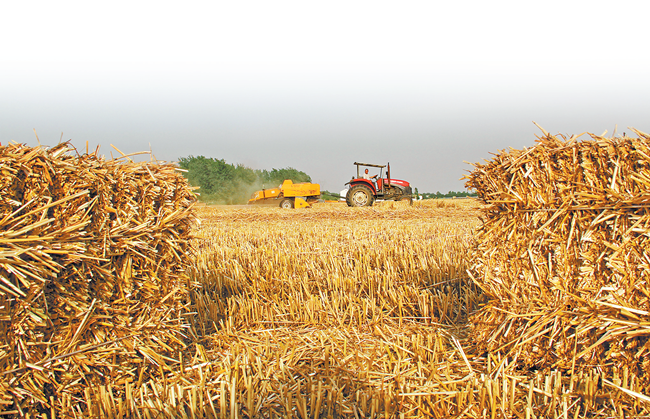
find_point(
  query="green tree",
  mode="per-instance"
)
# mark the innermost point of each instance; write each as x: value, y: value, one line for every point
x: 210, y: 174
x: 277, y: 176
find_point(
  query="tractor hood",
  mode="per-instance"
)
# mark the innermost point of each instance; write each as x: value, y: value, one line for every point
x: 397, y: 182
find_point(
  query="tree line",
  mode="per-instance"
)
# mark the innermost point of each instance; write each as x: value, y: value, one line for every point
x: 225, y: 183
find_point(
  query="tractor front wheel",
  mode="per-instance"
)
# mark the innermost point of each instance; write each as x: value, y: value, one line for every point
x: 360, y: 196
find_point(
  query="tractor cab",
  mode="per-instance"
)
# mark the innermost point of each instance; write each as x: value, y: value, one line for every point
x: 376, y: 182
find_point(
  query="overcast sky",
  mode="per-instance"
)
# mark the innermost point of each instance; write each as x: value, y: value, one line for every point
x: 424, y: 85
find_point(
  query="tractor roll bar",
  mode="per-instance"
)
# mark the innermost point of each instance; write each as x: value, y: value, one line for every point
x: 371, y: 165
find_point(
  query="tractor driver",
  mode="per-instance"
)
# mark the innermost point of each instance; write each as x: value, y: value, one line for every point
x: 367, y: 176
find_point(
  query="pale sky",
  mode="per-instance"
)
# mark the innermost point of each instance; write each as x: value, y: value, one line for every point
x: 424, y: 85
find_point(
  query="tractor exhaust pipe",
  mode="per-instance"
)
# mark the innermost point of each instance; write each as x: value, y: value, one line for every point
x: 388, y: 174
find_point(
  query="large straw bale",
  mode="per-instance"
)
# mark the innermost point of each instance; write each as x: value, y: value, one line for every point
x: 92, y: 255
x: 563, y: 253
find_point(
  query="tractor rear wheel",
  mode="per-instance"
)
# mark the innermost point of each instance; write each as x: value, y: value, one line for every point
x: 286, y: 204
x: 360, y: 196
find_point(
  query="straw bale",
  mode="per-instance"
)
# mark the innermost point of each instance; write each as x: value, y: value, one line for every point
x: 92, y: 259
x: 563, y: 253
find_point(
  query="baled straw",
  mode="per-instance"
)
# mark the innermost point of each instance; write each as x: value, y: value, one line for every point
x: 92, y: 254
x: 563, y: 254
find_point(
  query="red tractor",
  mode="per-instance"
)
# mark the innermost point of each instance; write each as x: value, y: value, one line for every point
x: 365, y: 189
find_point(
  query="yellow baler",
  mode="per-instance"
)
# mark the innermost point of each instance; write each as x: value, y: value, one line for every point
x: 288, y: 195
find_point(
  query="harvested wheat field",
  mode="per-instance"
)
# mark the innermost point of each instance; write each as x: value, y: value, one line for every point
x: 336, y: 311
x: 131, y: 301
